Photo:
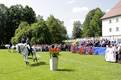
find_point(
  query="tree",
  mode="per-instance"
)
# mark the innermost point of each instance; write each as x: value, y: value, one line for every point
x: 77, y: 31
x: 29, y: 15
x: 92, y: 25
x: 39, y: 33
x: 22, y: 31
x: 13, y: 19
x: 57, y: 28
x: 3, y: 10
x: 40, y: 18
x: 96, y: 25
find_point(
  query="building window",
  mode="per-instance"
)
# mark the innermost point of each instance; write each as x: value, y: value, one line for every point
x: 117, y: 28
x: 116, y: 19
x: 110, y: 29
x: 109, y: 21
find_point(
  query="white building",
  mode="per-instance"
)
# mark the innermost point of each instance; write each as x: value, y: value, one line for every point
x: 111, y: 21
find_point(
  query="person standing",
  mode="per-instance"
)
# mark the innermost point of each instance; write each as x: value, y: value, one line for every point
x: 116, y: 53
x: 109, y: 53
x: 23, y: 40
x: 113, y: 54
x: 119, y: 55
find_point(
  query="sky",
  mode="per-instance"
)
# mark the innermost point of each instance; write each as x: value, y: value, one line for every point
x: 65, y: 10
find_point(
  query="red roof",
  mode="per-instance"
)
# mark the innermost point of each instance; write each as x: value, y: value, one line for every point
x: 115, y: 11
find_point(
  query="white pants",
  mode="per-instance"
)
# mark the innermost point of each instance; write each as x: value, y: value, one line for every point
x: 28, y: 46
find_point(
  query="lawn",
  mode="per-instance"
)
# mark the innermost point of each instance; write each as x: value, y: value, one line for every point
x: 71, y: 67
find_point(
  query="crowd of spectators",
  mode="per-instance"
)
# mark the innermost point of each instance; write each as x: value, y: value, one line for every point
x: 64, y: 47
x: 98, y: 43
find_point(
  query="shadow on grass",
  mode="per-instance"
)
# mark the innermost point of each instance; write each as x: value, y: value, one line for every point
x: 68, y: 70
x: 38, y: 64
x: 29, y: 57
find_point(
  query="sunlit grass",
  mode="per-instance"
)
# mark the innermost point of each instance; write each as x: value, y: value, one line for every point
x: 71, y: 67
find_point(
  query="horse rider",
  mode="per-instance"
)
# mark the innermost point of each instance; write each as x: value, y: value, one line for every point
x: 28, y: 45
x: 23, y: 40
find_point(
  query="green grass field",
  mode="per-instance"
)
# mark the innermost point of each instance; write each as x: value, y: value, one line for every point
x: 71, y: 67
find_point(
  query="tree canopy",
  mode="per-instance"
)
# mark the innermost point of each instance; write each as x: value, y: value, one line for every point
x: 92, y: 25
x: 39, y: 33
x: 3, y: 10
x: 57, y: 28
x: 29, y: 15
x: 10, y: 19
x: 77, y: 30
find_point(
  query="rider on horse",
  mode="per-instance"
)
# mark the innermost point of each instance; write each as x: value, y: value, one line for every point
x: 23, y: 40
x: 28, y: 45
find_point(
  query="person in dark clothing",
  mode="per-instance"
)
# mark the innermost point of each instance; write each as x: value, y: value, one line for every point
x: 28, y: 45
x: 23, y: 40
x: 96, y: 43
x: 116, y: 53
x: 69, y: 46
x: 119, y: 56
x: 53, y: 46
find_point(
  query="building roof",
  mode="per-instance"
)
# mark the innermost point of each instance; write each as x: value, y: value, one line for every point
x: 115, y: 11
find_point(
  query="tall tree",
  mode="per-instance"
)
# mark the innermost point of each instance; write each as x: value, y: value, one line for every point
x: 29, y: 15
x: 41, y: 33
x: 3, y: 10
x: 77, y: 31
x: 96, y: 23
x: 92, y: 25
x: 13, y: 19
x: 57, y: 28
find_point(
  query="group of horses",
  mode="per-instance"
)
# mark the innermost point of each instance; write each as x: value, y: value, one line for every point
x: 22, y: 48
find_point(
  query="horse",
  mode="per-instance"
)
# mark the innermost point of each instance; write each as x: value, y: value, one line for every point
x: 13, y: 47
x: 7, y: 46
x: 20, y: 47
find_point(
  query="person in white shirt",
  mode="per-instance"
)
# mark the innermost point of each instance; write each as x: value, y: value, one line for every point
x: 113, y: 54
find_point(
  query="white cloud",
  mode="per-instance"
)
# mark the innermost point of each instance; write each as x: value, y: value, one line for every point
x: 70, y: 2
x: 78, y: 9
x: 84, y: 8
x: 81, y: 20
x: 107, y: 10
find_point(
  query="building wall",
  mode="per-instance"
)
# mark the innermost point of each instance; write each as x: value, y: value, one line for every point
x: 106, y: 25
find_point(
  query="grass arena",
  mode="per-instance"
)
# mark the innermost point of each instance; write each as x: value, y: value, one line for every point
x: 71, y: 66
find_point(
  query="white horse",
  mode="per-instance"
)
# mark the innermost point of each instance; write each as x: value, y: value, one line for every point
x: 9, y: 48
x: 13, y: 48
x: 20, y: 47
